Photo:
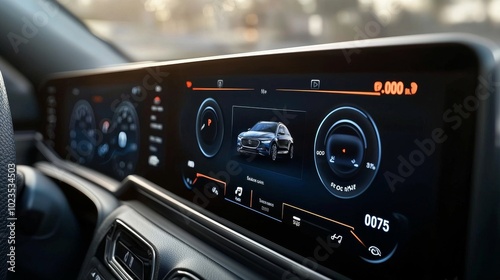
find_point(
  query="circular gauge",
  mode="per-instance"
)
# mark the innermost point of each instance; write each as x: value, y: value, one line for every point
x: 125, y: 139
x: 381, y: 236
x: 209, y: 127
x: 347, y: 152
x: 82, y: 135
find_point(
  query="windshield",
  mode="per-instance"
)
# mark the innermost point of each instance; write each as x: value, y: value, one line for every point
x: 171, y: 29
x: 265, y: 127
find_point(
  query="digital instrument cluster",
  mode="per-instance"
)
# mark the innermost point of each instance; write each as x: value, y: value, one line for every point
x: 357, y: 164
x: 103, y: 128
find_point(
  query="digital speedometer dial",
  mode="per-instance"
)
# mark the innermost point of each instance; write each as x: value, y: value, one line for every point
x: 82, y: 133
x: 125, y: 139
x: 347, y: 152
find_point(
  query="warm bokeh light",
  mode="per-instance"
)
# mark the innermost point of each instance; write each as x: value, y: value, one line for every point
x: 172, y: 29
x: 465, y: 11
x: 494, y: 11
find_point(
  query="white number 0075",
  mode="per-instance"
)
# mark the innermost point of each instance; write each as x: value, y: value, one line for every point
x: 376, y: 222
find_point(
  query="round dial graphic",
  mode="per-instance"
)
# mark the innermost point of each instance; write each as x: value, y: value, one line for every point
x: 125, y: 141
x: 82, y: 136
x: 347, y: 152
x: 209, y: 127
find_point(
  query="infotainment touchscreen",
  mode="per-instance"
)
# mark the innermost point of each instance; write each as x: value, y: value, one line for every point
x: 351, y: 161
x: 345, y: 168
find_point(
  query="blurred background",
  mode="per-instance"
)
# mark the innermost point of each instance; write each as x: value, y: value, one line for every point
x: 157, y: 30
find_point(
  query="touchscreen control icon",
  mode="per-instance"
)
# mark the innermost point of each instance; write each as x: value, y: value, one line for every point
x: 336, y: 238
x: 239, y: 191
x: 375, y: 251
x: 153, y: 161
x: 315, y: 84
x: 215, y: 191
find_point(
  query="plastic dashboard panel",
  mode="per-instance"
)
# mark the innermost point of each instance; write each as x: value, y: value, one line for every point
x: 361, y: 159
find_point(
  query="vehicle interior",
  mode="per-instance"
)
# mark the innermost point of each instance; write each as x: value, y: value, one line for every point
x: 134, y: 151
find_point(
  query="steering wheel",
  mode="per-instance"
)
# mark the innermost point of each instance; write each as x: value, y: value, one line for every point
x: 7, y: 185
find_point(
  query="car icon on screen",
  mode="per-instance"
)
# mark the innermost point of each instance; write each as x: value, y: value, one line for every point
x: 266, y: 138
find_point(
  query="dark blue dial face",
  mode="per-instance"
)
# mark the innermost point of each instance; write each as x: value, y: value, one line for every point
x: 82, y: 133
x: 125, y: 139
x: 104, y: 129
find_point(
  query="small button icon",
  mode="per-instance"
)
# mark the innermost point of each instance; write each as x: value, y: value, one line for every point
x: 153, y: 160
x: 238, y: 194
x: 215, y: 191
x: 315, y: 84
x: 296, y: 221
x: 375, y: 251
x: 336, y: 238
x: 239, y: 191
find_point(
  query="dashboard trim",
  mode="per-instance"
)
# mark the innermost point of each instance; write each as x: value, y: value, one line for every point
x: 108, y: 183
x: 459, y: 38
x: 482, y: 256
x: 474, y: 196
x: 99, y: 197
x: 150, y: 188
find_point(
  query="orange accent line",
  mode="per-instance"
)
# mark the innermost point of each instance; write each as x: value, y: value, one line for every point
x: 221, y: 89
x: 370, y: 93
x: 210, y: 178
x: 213, y: 179
x: 358, y: 238
x: 251, y: 198
x: 317, y: 215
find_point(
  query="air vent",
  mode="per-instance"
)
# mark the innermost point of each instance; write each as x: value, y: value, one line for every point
x: 128, y: 254
x: 182, y: 275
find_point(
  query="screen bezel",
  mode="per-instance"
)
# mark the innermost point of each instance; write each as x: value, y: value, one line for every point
x: 435, y: 58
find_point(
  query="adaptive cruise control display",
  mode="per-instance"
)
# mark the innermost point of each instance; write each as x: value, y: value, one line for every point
x: 335, y: 162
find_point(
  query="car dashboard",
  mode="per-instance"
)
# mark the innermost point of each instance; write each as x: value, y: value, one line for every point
x: 384, y: 164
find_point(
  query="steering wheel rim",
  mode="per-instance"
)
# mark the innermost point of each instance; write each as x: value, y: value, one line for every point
x: 7, y: 166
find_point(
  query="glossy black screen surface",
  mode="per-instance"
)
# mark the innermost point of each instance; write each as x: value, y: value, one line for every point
x: 351, y: 160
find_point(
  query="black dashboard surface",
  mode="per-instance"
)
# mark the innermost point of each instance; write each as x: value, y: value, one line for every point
x: 344, y: 159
